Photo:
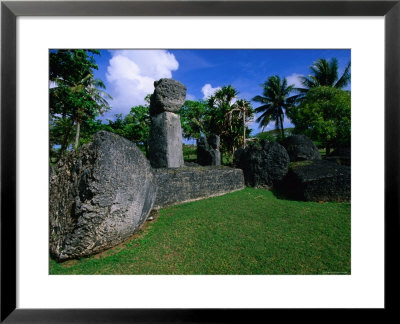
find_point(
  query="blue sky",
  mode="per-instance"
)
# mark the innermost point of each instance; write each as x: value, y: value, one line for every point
x: 129, y: 74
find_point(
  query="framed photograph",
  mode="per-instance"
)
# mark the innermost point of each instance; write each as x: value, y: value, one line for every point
x: 369, y: 30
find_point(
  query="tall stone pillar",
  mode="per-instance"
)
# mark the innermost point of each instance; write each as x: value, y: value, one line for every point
x: 165, y: 144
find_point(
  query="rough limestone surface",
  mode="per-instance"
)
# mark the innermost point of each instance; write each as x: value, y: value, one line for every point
x: 317, y: 180
x: 99, y: 196
x: 208, y: 153
x: 169, y: 95
x: 263, y: 164
x: 192, y: 183
x: 165, y: 143
x: 301, y: 148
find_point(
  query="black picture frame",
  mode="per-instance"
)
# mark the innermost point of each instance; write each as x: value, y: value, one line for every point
x: 10, y: 10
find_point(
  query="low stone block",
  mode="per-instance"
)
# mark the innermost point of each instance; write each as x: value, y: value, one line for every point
x: 317, y: 180
x: 341, y: 155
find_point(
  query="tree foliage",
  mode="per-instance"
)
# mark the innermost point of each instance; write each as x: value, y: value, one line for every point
x: 227, y: 117
x: 276, y: 100
x: 222, y: 114
x: 193, y: 119
x: 326, y: 74
x: 324, y: 116
x: 135, y: 126
x: 75, y: 95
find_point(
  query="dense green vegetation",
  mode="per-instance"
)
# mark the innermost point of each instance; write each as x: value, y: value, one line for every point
x: 324, y: 115
x: 320, y: 109
x: 75, y: 96
x: 223, y: 114
x: 246, y: 232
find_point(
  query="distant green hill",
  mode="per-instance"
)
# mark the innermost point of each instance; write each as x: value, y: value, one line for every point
x: 272, y: 135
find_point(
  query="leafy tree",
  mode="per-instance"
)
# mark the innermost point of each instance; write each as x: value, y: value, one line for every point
x: 324, y: 116
x: 90, y: 127
x: 193, y: 118
x: 60, y: 135
x: 75, y: 94
x: 135, y: 126
x: 325, y: 74
x: 276, y: 101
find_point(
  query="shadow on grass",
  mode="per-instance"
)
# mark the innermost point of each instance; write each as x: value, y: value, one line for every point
x: 280, y: 194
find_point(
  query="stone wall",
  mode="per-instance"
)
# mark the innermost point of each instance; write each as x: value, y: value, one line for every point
x: 192, y: 183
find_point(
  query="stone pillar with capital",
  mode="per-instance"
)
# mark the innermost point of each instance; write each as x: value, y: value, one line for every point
x: 165, y: 144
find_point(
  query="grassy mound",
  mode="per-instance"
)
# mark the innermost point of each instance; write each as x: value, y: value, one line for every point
x: 244, y: 232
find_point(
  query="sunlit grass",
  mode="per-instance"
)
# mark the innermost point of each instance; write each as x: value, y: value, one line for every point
x: 245, y: 232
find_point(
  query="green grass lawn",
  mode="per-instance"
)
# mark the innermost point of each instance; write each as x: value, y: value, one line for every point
x: 189, y: 152
x: 244, y: 232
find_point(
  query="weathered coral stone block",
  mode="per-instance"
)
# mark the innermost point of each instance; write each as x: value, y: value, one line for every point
x: 99, y: 196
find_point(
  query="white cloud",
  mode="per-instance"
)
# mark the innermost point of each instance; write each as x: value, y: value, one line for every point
x: 294, y: 79
x: 208, y: 90
x: 131, y: 75
x: 190, y: 97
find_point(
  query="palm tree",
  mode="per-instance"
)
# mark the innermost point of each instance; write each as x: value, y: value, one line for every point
x: 276, y: 101
x: 225, y: 95
x: 221, y: 102
x: 91, y: 88
x: 87, y: 98
x: 326, y: 74
x: 222, y: 121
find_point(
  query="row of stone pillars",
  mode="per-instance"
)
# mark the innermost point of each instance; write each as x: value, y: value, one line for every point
x: 165, y: 144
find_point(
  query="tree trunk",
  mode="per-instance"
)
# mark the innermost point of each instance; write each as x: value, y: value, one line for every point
x: 283, y: 133
x: 78, y: 127
x: 244, y: 129
x: 65, y: 142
